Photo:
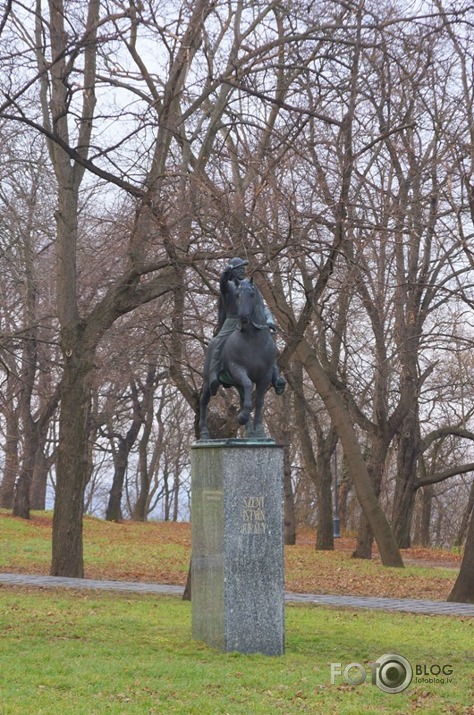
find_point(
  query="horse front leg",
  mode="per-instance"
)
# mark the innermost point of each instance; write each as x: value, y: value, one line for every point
x: 246, y: 404
x: 258, y: 427
x: 203, y: 403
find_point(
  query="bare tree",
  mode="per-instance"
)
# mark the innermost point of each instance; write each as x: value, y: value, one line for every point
x: 463, y: 589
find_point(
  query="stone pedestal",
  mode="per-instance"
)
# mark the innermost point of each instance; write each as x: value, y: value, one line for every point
x: 237, y: 587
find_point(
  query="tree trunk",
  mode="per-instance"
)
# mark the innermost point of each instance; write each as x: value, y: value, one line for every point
x: 176, y: 490
x: 357, y: 467
x: 317, y: 466
x: 12, y: 440
x: 114, y: 506
x: 463, y: 589
x: 187, y: 588
x: 342, y: 497
x: 289, y: 501
x: 21, y: 501
x: 325, y: 507
x: 43, y: 463
x: 375, y: 468
x: 426, y: 509
x: 40, y: 480
x: 167, y: 492
x: 73, y: 463
x: 140, y: 510
x: 311, y: 466
x: 465, y: 518
x: 404, y: 498
x: 365, y: 539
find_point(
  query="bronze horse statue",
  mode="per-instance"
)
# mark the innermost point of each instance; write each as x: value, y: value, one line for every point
x: 247, y: 360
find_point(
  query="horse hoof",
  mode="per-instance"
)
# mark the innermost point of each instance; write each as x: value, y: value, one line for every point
x: 280, y: 385
x: 260, y: 432
x: 204, y: 434
x: 249, y: 431
x: 243, y: 418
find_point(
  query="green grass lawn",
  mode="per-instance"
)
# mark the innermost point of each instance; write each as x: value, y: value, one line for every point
x: 88, y: 653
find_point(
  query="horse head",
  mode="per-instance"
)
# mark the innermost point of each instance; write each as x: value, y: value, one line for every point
x: 249, y: 304
x: 245, y: 296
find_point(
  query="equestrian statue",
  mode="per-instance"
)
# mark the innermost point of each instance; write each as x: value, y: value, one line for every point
x: 243, y: 353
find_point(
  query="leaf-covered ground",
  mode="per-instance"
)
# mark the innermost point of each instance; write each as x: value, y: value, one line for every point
x: 159, y: 552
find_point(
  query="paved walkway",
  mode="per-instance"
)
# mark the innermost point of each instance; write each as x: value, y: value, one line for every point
x: 433, y: 608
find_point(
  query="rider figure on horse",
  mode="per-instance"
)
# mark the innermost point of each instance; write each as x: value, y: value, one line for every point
x: 228, y: 322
